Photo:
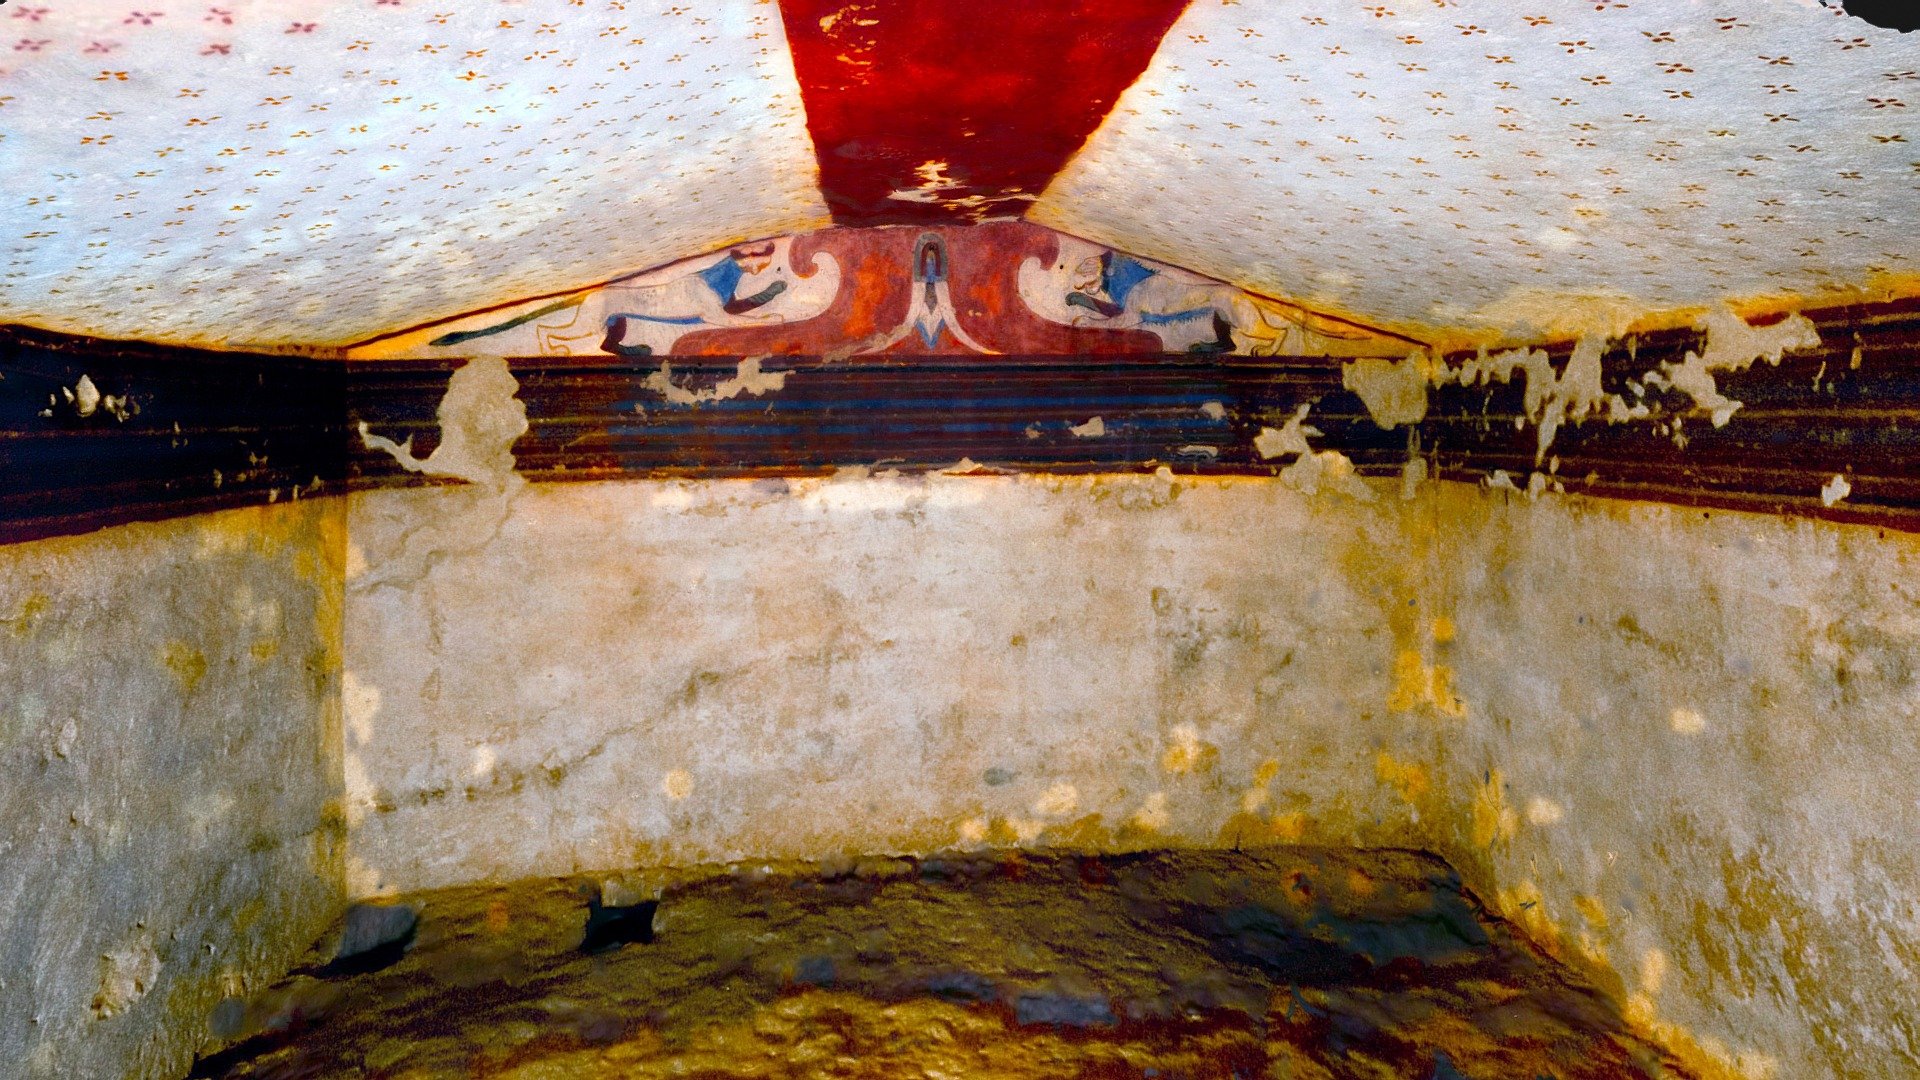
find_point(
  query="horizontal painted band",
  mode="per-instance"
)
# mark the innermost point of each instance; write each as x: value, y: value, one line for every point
x: 178, y: 431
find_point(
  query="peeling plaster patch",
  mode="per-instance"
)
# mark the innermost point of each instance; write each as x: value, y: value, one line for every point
x: 363, y: 881
x: 747, y: 379
x: 1149, y: 493
x: 857, y: 489
x: 674, y: 498
x: 935, y: 186
x: 1025, y: 830
x: 1328, y: 467
x: 1291, y: 439
x: 1255, y: 797
x: 1653, y: 972
x: 966, y: 466
x: 361, y: 703
x: 676, y: 785
x: 1311, y: 469
x: 85, y: 399
x: 1213, y: 410
x: 1552, y: 399
x: 127, y: 974
x: 1732, y: 345
x: 1152, y: 815
x: 63, y: 739
x: 480, y: 419
x: 1059, y: 800
x: 1687, y: 722
x: 1543, y: 811
x: 1092, y: 429
x: 1835, y: 490
x: 1412, y: 474
x: 1394, y: 393
x: 360, y: 795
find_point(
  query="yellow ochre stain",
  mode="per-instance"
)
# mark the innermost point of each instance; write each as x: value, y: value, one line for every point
x: 1492, y: 819
x: 1288, y: 828
x: 187, y: 663
x: 1592, y: 910
x: 1187, y: 753
x: 35, y: 606
x: 1416, y: 683
x: 1410, y: 779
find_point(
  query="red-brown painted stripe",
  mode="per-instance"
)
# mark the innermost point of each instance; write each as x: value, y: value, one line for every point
x: 1002, y: 92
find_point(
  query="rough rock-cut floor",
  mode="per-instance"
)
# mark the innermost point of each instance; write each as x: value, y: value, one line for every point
x: 1283, y: 963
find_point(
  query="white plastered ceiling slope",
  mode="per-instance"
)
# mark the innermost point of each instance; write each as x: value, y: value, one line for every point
x: 268, y: 172
x: 1492, y: 165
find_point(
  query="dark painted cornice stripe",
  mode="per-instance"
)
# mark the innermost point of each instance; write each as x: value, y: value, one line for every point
x: 1779, y: 449
x: 598, y: 419
x: 271, y: 425
x: 593, y: 419
x: 212, y: 430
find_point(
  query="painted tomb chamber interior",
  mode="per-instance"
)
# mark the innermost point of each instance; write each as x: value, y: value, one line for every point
x: 572, y: 538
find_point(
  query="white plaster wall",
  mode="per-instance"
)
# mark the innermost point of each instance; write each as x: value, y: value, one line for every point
x: 605, y: 675
x: 1678, y: 746
x: 169, y: 780
x: 1690, y: 762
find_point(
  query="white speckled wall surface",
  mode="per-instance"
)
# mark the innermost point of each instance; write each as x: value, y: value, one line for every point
x: 1486, y: 164
x: 169, y: 780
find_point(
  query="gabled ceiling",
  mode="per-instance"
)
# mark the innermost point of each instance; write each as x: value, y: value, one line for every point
x: 1512, y: 163
x: 279, y: 172
x: 273, y: 173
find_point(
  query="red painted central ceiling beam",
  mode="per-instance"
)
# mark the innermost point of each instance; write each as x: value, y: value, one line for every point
x: 944, y: 111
